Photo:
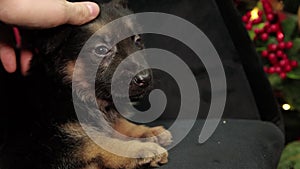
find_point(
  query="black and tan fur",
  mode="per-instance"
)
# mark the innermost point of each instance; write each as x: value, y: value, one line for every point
x: 39, y: 126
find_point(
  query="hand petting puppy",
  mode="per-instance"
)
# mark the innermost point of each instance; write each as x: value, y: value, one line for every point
x: 40, y: 14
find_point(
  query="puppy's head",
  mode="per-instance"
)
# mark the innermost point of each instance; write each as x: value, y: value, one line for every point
x: 61, y: 47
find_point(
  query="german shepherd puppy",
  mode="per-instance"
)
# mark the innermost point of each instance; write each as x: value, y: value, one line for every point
x: 39, y: 127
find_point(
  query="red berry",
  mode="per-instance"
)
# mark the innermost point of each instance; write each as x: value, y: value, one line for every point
x: 271, y: 70
x: 258, y: 31
x: 284, y: 62
x: 281, y: 45
x: 274, y: 62
x: 280, y: 36
x: 268, y: 8
x: 272, y: 56
x: 266, y: 69
x: 284, y: 56
x: 248, y: 14
x: 269, y: 30
x: 272, y: 47
x: 257, y: 21
x: 264, y: 53
x: 278, y: 69
x: 267, y: 24
x: 255, y: 38
x: 288, y: 68
x: 289, y: 45
x: 279, y: 53
x: 248, y: 26
x: 245, y: 19
x: 273, y: 59
x: 294, y: 63
x: 264, y: 37
x: 282, y: 75
x: 274, y: 28
x: 260, y: 13
x: 270, y: 17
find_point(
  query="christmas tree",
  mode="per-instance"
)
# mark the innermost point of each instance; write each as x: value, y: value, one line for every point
x: 275, y: 34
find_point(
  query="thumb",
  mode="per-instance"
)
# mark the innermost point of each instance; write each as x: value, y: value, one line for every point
x: 81, y: 12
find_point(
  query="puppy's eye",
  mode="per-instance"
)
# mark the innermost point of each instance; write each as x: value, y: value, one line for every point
x: 138, y: 41
x: 101, y: 50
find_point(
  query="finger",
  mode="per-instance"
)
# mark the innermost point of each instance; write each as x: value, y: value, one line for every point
x: 53, y: 12
x: 81, y: 12
x: 26, y: 57
x: 8, y: 58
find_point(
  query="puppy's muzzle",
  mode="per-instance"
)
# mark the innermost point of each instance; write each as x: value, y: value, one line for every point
x: 143, y: 79
x: 141, y: 84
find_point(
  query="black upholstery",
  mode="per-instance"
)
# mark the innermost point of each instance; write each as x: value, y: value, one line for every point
x: 253, y: 138
x: 236, y: 144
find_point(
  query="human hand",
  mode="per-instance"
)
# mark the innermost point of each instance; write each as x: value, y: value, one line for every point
x: 40, y: 14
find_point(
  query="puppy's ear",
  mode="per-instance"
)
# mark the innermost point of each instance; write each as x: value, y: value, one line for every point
x: 120, y: 3
x: 45, y: 41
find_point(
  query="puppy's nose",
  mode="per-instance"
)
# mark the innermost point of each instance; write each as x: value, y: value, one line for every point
x: 143, y: 79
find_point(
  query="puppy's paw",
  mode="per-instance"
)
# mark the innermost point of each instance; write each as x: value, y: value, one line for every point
x: 151, y: 154
x: 139, y: 154
x: 158, y: 135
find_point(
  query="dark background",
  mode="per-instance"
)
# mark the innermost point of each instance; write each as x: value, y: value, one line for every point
x: 245, y: 79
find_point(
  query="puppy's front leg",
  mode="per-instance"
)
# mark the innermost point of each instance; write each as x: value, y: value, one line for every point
x: 153, y: 134
x: 95, y: 156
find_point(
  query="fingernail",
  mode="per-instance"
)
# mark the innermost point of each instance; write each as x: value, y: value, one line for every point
x: 93, y: 8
